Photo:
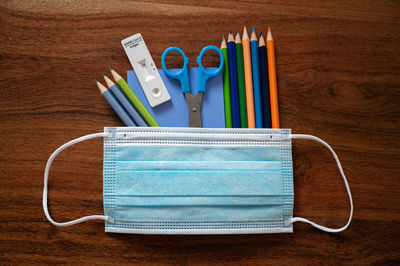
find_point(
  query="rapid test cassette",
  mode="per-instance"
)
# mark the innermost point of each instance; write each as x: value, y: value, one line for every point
x: 145, y: 69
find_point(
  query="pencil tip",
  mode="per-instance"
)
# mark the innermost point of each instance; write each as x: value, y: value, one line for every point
x: 269, y: 30
x: 252, y: 29
x: 104, y: 75
x: 223, y: 37
x: 96, y: 80
x: 230, y: 31
x: 237, y: 31
x: 110, y: 68
x: 260, y: 34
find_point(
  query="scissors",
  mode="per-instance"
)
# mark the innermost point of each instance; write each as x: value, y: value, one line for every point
x: 193, y: 102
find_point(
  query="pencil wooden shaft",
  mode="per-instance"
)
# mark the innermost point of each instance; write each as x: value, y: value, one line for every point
x: 241, y: 86
x: 227, y: 92
x: 273, y: 90
x: 251, y: 123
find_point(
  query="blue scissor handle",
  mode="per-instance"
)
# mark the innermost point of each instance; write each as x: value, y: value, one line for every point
x: 182, y: 75
x: 205, y: 75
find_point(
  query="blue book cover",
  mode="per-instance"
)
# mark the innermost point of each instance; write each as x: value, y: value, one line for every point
x: 174, y: 113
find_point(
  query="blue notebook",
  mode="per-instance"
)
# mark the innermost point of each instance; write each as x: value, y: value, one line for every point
x: 174, y: 113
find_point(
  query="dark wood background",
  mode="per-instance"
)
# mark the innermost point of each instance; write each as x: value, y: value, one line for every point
x: 338, y: 65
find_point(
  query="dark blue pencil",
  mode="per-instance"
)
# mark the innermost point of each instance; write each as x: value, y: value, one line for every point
x: 256, y: 80
x: 233, y: 81
x: 264, y: 84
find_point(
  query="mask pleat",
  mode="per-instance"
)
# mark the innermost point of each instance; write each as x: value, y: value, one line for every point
x: 166, y: 165
x: 199, y: 213
x: 196, y: 153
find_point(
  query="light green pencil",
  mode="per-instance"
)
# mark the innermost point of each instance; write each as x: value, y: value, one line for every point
x: 134, y: 99
x: 227, y: 89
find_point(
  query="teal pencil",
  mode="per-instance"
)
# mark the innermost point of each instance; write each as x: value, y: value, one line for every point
x: 256, y: 79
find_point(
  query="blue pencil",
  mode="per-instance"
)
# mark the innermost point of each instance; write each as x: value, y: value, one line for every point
x: 264, y: 84
x: 115, y: 105
x: 256, y: 79
x: 233, y: 81
x: 125, y: 102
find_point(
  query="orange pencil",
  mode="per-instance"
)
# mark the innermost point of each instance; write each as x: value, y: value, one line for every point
x: 273, y: 90
x: 251, y: 122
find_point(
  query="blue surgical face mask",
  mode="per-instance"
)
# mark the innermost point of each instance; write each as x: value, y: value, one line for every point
x: 197, y: 181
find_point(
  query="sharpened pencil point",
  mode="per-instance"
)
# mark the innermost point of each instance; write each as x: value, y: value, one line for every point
x: 261, y: 41
x: 237, y: 38
x: 110, y: 68
x: 237, y: 31
x: 115, y: 75
x: 108, y: 81
x: 230, y: 31
x: 260, y: 34
x: 252, y: 29
x: 96, y: 80
x: 104, y: 75
x: 101, y: 87
x: 269, y: 30
x: 230, y: 37
x: 223, y: 43
x: 245, y: 35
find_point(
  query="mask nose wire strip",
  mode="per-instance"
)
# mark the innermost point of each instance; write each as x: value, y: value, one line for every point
x: 46, y: 175
x: 300, y: 219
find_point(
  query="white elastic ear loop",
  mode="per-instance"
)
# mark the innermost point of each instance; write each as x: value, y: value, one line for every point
x: 300, y: 219
x: 46, y: 174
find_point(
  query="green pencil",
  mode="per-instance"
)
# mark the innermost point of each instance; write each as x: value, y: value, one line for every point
x: 227, y: 89
x: 241, y: 87
x: 134, y: 99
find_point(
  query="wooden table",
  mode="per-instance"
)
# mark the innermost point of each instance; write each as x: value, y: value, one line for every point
x: 338, y: 65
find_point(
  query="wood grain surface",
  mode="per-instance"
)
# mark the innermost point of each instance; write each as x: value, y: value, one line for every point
x: 338, y: 67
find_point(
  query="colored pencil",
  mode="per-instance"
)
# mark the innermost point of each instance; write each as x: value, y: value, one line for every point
x: 264, y: 83
x: 227, y: 92
x: 233, y: 81
x: 248, y: 80
x: 256, y: 79
x: 241, y: 88
x: 125, y: 102
x: 134, y: 99
x: 273, y: 90
x: 115, y: 105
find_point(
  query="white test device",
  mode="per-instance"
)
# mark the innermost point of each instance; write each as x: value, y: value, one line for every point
x: 145, y: 69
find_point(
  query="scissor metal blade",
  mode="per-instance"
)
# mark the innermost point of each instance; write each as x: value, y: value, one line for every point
x: 194, y: 107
